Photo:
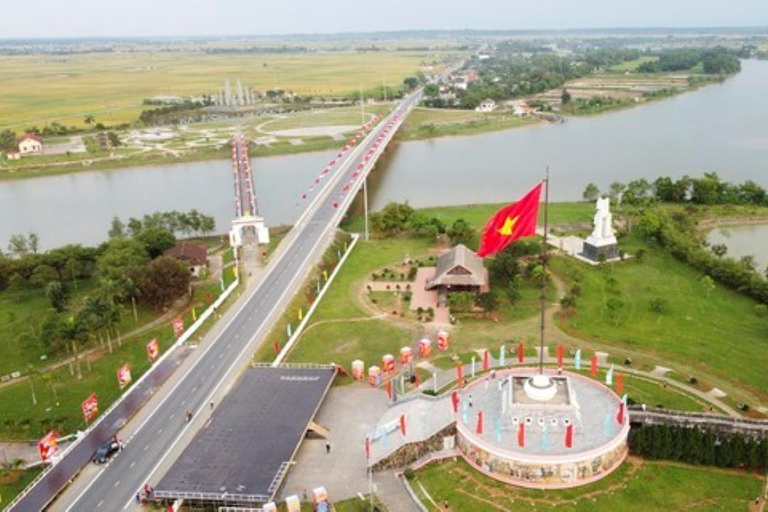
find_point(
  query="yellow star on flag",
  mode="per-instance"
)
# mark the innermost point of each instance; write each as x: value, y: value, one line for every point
x: 509, y: 226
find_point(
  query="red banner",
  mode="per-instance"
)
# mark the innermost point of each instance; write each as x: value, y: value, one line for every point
x: 520, y: 353
x: 48, y: 446
x: 569, y: 436
x: 593, y: 369
x: 455, y: 401
x: 367, y: 447
x: 90, y: 407
x: 460, y: 374
x: 619, y: 383
x: 560, y: 355
x: 124, y: 376
x: 521, y: 434
x: 620, y: 415
x: 178, y: 326
x: 486, y: 361
x: 479, y: 429
x: 153, y: 350
x: 402, y: 424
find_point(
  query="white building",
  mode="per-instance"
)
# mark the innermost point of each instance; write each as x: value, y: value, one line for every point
x: 30, y: 143
x: 487, y: 106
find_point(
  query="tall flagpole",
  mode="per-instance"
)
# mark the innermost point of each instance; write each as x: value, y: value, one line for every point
x: 544, y: 271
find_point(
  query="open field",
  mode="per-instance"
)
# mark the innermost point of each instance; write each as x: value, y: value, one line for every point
x: 38, y: 89
x: 636, y: 486
x: 716, y: 334
x: 14, y: 482
x: 425, y: 123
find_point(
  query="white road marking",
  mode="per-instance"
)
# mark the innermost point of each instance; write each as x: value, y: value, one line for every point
x: 100, y: 504
x: 133, y: 463
x: 117, y: 483
x: 146, y: 448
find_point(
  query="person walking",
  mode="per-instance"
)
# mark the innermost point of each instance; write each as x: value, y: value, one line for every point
x: 327, y: 447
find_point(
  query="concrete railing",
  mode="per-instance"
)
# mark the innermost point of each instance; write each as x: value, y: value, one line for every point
x: 653, y: 416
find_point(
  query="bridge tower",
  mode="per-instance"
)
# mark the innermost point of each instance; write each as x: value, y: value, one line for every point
x: 246, y: 207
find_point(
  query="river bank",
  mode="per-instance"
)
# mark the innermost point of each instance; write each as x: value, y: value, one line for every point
x: 422, y: 124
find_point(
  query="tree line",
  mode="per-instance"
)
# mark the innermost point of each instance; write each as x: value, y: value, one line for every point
x: 707, y: 190
x: 717, y: 60
x: 398, y: 219
x: 695, y: 446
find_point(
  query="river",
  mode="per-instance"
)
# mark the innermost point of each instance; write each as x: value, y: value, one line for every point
x: 718, y: 128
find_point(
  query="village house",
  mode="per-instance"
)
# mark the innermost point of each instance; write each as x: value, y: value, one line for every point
x: 487, y: 106
x: 195, y: 255
x: 30, y: 143
x: 458, y: 270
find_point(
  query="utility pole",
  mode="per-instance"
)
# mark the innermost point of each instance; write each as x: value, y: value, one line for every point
x: 544, y: 272
x: 365, y: 205
x: 362, y: 107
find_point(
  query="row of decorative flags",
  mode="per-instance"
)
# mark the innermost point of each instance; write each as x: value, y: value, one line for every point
x: 48, y: 446
x: 249, y: 185
x: 610, y: 377
x: 350, y: 143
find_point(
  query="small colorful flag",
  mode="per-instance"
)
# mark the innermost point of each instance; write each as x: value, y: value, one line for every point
x: 521, y: 434
x: 479, y: 428
x: 569, y: 436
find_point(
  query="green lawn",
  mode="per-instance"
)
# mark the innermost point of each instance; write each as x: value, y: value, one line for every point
x: 716, y: 334
x: 646, y: 486
x: 12, y: 483
x: 333, y: 117
x: 632, y: 65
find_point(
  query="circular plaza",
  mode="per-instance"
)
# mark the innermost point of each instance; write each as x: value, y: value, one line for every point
x: 572, y: 436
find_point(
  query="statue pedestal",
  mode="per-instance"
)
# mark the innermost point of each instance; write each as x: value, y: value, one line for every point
x: 597, y: 250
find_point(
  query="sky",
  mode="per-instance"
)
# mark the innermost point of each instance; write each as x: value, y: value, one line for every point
x: 84, y: 18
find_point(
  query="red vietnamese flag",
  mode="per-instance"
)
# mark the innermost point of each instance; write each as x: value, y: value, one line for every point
x: 511, y: 223
x: 620, y: 415
x: 367, y: 447
x: 521, y: 434
x: 460, y: 374
x: 619, y: 383
x: 479, y: 428
x: 402, y: 424
x: 569, y: 436
x: 559, y: 355
x: 486, y: 361
x: 520, y: 353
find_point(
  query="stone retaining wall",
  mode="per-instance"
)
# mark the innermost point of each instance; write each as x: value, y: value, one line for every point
x: 411, y: 452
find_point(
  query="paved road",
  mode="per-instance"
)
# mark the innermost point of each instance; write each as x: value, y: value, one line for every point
x: 115, y: 486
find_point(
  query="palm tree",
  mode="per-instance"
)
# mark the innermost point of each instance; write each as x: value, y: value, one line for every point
x: 31, y: 373
x: 89, y: 119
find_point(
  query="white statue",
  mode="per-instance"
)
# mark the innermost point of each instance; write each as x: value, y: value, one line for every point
x: 602, y: 234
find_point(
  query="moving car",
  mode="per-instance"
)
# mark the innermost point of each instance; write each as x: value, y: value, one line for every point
x: 106, y: 451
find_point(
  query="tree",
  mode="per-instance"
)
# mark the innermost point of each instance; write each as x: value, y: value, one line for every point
x: 8, y: 141
x: 156, y: 240
x: 709, y: 284
x: 659, y: 305
x: 720, y: 250
x: 461, y: 302
x: 18, y: 245
x: 117, y: 228
x: 16, y: 283
x: 504, y: 267
x: 411, y: 82
x: 616, y: 189
x: 489, y: 301
x: 114, y: 140
x: 120, y: 255
x: 89, y: 119
x: 392, y: 219
x: 614, y: 306
x: 591, y: 193
x: 33, y: 241
x: 164, y: 280
x: 565, y: 97
x: 431, y: 90
x: 43, y: 274
x: 207, y: 225
x: 461, y: 233
x: 58, y: 295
